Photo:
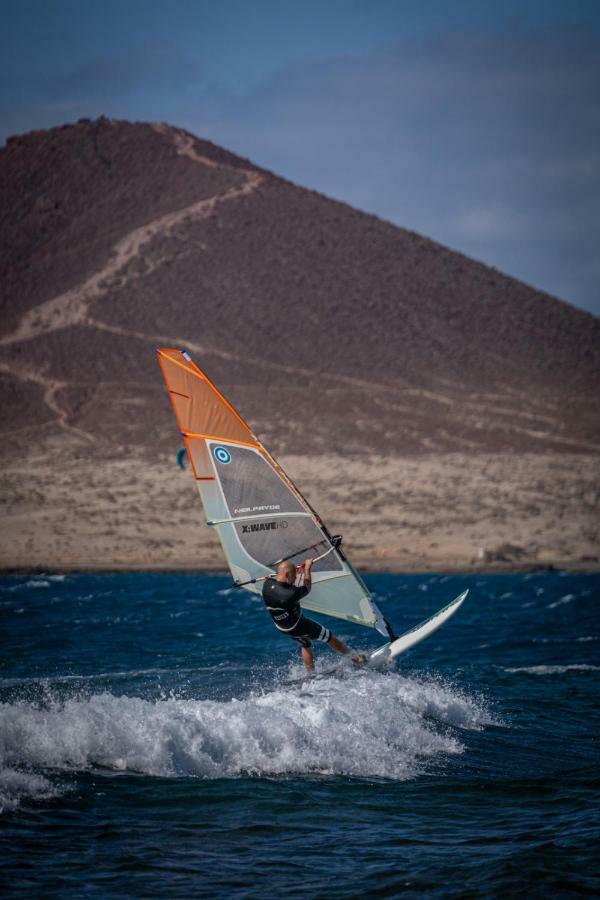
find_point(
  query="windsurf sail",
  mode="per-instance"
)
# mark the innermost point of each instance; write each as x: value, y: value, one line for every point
x: 258, y: 513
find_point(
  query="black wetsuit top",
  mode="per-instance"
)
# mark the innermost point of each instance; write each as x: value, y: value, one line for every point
x: 283, y: 602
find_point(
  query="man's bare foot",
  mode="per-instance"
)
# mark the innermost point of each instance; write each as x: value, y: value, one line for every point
x: 359, y: 659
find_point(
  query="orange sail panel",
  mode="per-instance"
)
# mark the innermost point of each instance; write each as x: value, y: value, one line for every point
x: 199, y: 407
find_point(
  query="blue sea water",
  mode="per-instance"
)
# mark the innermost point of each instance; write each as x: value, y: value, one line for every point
x: 155, y: 743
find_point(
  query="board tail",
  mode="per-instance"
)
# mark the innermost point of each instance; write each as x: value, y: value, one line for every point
x: 417, y: 634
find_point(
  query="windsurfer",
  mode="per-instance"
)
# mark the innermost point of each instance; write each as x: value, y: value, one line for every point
x: 282, y: 598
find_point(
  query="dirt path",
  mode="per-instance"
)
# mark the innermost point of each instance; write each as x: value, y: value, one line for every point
x: 51, y: 388
x: 71, y: 308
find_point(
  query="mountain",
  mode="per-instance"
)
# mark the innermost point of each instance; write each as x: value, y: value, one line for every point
x: 440, y: 413
x: 327, y: 327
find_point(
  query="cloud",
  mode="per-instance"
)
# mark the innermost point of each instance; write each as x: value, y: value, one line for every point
x: 494, y: 223
x: 145, y: 81
x: 488, y: 143
x: 146, y: 68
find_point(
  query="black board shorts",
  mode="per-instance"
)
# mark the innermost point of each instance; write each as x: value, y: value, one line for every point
x: 307, y: 630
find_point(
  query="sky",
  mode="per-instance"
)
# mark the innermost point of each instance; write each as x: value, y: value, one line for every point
x: 473, y: 122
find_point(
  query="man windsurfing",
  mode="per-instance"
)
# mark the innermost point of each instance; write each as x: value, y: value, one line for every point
x: 282, y: 598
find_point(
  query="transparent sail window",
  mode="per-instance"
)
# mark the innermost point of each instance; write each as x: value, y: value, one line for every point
x: 251, y: 486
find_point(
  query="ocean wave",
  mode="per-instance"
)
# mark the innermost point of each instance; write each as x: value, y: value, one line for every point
x: 50, y: 680
x: 16, y: 784
x: 554, y: 670
x: 32, y: 583
x: 366, y: 725
x: 568, y: 598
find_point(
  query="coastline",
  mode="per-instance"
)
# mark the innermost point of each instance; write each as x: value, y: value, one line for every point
x: 192, y: 569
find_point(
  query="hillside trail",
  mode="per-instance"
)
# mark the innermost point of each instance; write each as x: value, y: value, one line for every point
x: 380, y: 394
x: 51, y: 388
x: 71, y: 308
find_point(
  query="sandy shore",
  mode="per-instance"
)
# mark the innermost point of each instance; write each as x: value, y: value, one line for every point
x: 62, y: 509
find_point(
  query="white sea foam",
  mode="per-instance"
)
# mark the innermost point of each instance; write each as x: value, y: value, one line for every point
x: 568, y: 598
x: 366, y: 725
x: 51, y: 680
x: 26, y: 585
x: 16, y: 784
x: 554, y: 670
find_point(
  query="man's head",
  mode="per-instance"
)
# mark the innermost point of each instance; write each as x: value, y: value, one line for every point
x: 286, y: 571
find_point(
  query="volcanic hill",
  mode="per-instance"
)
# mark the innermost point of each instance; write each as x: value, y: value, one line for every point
x: 331, y: 331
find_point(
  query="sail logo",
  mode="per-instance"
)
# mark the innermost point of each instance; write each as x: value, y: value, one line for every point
x: 265, y: 507
x: 263, y: 526
x: 222, y: 455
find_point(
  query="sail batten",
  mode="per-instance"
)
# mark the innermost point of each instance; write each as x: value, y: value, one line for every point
x: 257, y: 511
x: 215, y: 437
x: 262, y: 516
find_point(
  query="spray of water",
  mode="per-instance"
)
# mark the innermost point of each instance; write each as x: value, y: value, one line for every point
x: 367, y: 725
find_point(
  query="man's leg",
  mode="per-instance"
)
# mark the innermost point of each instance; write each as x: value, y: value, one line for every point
x: 308, y: 658
x: 340, y: 647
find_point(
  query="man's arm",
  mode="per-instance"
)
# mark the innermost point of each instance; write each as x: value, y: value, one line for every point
x: 308, y: 564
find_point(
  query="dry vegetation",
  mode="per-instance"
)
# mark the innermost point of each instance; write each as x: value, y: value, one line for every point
x: 396, y: 513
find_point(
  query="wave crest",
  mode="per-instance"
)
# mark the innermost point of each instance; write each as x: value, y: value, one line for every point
x: 554, y: 670
x: 369, y: 725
